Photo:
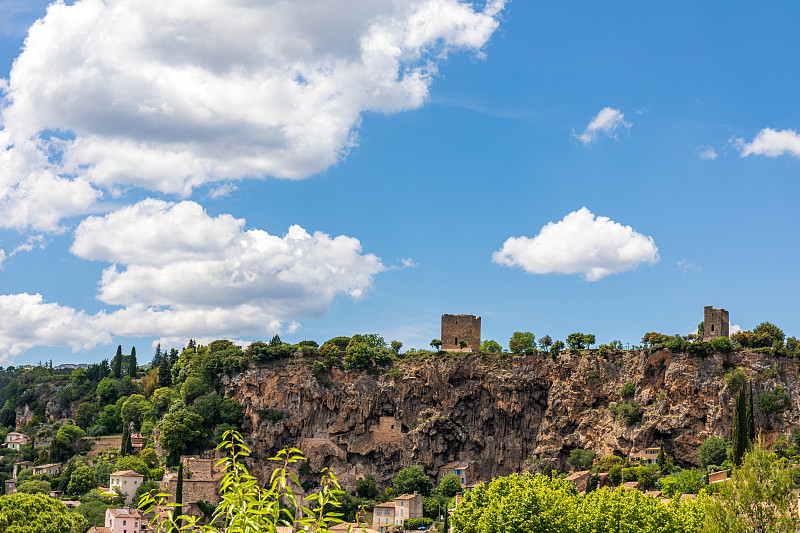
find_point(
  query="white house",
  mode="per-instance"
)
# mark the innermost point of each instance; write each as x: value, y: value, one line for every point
x: 127, y: 481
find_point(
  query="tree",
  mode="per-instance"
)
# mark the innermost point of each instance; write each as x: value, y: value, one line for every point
x: 757, y: 498
x: 628, y: 390
x: 192, y: 388
x: 712, y: 452
x: 36, y: 513
x: 522, y: 342
x: 127, y: 446
x: 771, y: 334
x: 179, y: 493
x: 581, y: 459
x: 165, y: 373
x: 491, y: 346
x: 85, y: 415
x: 739, y: 442
x: 436, y: 343
x: 136, y: 409
x: 35, y: 486
x: 132, y: 366
x: 412, y: 479
x: 449, y: 486
x: 365, y: 487
x: 231, y: 411
x: 688, y: 481
x: 545, y: 342
x: 158, y: 356
x: 661, y: 459
x: 207, y: 406
x: 106, y: 391
x: 132, y: 462
x: 749, y: 419
x: 82, y: 480
x: 556, y: 348
x: 117, y: 363
x: 180, y: 430
x: 396, y: 345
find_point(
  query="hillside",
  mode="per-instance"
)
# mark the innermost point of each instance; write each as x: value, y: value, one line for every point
x: 506, y: 413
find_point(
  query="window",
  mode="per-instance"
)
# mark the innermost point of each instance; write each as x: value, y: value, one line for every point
x: 712, y: 328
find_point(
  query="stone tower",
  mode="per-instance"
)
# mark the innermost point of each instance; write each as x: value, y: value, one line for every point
x: 457, y: 328
x: 715, y: 323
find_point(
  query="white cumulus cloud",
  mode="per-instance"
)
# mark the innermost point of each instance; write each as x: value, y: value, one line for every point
x: 167, y: 96
x: 607, y: 121
x: 178, y: 271
x: 580, y: 243
x: 27, y: 321
x: 771, y: 143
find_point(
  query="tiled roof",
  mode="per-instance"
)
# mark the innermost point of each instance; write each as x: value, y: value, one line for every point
x: 387, y: 504
x: 125, y: 512
x: 406, y: 496
x: 457, y: 464
x: 127, y: 473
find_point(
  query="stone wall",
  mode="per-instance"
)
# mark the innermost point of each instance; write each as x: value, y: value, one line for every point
x: 103, y: 444
x: 457, y: 328
x: 715, y: 323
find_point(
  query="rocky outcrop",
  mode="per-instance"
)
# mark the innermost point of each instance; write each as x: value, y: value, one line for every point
x: 505, y: 413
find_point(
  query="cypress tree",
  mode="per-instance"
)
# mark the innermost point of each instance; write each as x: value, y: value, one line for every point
x: 156, y: 357
x: 739, y: 430
x: 126, y: 441
x: 132, y: 363
x: 118, y: 363
x: 662, y: 458
x: 751, y: 424
x: 164, y: 374
x: 179, y: 495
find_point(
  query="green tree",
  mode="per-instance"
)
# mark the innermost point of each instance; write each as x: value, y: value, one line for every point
x: 739, y: 442
x: 179, y: 493
x: 207, y: 406
x: 132, y: 365
x: 94, y: 511
x: 35, y: 486
x: 126, y: 447
x: 180, y: 430
x: 412, y: 479
x: 396, y: 345
x: 688, y: 481
x: 437, y: 344
x: 136, y: 409
x: 449, y: 486
x: 522, y: 342
x: 132, y: 462
x: 576, y: 341
x: 38, y: 513
x: 165, y: 373
x: 628, y: 390
x: 556, y: 348
x: 581, y: 459
x: 545, y: 342
x: 79, y: 383
x: 85, y: 415
x: 771, y: 333
x: 712, y: 452
x: 365, y: 487
x: 661, y: 459
x: 749, y: 417
x: 117, y: 363
x: 106, y: 391
x: 231, y: 411
x: 757, y: 498
x: 192, y: 388
x: 82, y: 480
x: 491, y: 346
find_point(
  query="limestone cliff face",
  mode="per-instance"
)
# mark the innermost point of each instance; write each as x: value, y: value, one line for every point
x: 507, y: 414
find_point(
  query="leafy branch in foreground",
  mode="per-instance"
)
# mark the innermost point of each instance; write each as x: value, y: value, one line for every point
x: 247, y: 508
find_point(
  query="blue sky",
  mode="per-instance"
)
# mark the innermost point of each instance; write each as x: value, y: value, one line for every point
x: 476, y: 135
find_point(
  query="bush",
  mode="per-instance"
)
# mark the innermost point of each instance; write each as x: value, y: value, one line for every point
x: 416, y: 523
x: 581, y: 459
x: 774, y: 401
x: 628, y: 390
x: 735, y: 379
x: 712, y: 452
x: 721, y: 344
x: 629, y: 412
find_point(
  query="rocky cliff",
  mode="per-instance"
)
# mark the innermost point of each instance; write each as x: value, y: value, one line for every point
x: 505, y: 413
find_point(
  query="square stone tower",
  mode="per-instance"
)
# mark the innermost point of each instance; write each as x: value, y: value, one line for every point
x: 457, y: 328
x: 715, y: 323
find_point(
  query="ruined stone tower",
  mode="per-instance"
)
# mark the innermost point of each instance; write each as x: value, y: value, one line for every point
x: 715, y: 323
x: 457, y: 328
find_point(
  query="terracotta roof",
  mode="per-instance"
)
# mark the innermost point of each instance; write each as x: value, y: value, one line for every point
x: 356, y: 528
x: 575, y: 475
x: 456, y: 464
x: 47, y: 465
x: 96, y: 529
x: 407, y: 496
x: 127, y: 473
x: 653, y: 493
x: 387, y: 504
x: 631, y: 485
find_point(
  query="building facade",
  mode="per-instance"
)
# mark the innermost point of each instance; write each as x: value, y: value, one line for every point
x: 390, y: 515
x: 716, y: 323
x: 127, y: 481
x: 461, y: 328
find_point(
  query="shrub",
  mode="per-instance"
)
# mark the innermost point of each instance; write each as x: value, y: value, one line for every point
x: 735, y: 379
x: 721, y: 344
x: 628, y: 390
x: 581, y: 459
x: 629, y: 412
x: 416, y: 523
x: 774, y: 401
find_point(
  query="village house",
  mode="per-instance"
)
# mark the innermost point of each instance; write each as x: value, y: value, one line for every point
x: 16, y: 440
x: 394, y: 513
x: 201, y: 482
x: 648, y: 456
x: 581, y: 479
x: 137, y: 442
x: 125, y: 520
x: 718, y: 477
x: 51, y: 469
x: 11, y: 485
x: 127, y: 481
x: 20, y: 466
x: 465, y: 470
